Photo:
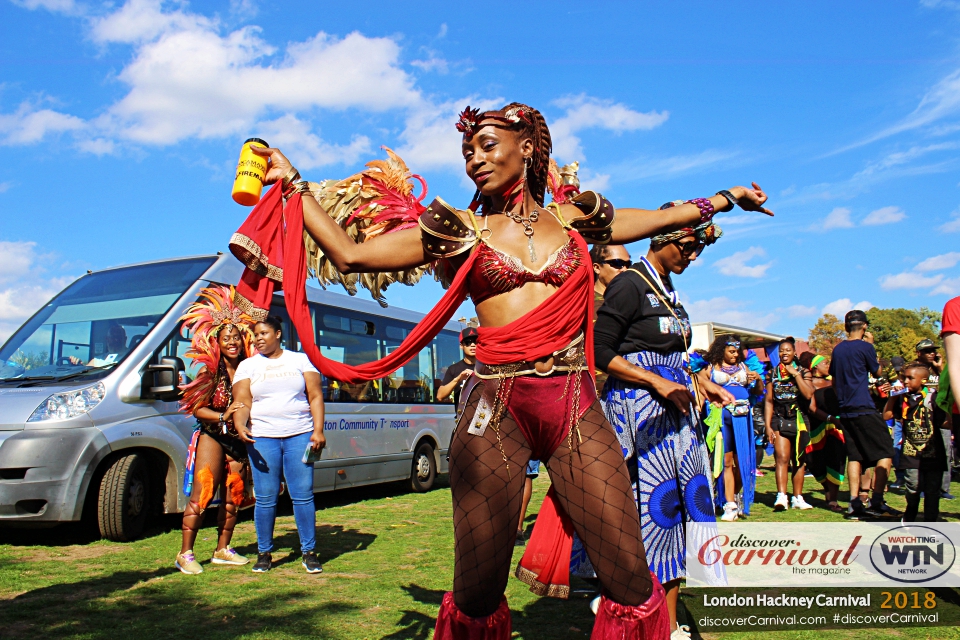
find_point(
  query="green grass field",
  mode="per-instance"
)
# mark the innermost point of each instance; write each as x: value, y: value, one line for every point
x: 388, y: 559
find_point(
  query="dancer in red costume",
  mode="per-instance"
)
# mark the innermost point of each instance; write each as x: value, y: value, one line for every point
x: 528, y: 272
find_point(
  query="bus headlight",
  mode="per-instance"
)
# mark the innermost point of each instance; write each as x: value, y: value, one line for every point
x: 69, y: 404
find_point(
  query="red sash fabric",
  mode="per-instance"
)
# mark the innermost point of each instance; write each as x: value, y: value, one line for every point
x: 270, y: 245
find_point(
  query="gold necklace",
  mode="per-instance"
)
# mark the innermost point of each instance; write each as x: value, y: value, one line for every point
x: 527, y: 223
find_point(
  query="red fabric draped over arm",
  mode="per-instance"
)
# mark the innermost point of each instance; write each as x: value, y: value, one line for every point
x: 274, y: 255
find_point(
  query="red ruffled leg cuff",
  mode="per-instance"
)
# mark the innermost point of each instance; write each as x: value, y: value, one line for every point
x: 453, y: 624
x: 648, y: 621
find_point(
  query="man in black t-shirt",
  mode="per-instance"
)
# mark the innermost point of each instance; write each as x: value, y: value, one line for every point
x: 458, y: 372
x: 866, y: 435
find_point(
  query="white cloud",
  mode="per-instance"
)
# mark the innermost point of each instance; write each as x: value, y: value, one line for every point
x: 940, y: 101
x: 429, y: 137
x: 839, y: 218
x: 909, y: 280
x: 936, y: 263
x: 948, y: 287
x: 433, y: 62
x: 17, y: 258
x: 97, y: 146
x: 28, y: 125
x: 840, y: 307
x: 58, y: 6
x: 585, y: 112
x: 24, y: 288
x: 244, y: 9
x: 5, y: 186
x: 884, y: 215
x: 736, y: 264
x: 800, y: 311
x: 644, y: 168
x: 727, y: 311
x: 235, y: 79
x: 952, y: 225
x: 596, y: 182
x: 295, y: 136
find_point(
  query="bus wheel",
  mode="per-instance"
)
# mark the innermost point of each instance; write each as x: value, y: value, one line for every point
x: 123, y: 503
x: 424, y: 468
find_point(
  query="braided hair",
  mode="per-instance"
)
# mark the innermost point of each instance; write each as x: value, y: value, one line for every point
x: 534, y: 125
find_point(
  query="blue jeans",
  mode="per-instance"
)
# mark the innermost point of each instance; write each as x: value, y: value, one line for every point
x: 270, y: 459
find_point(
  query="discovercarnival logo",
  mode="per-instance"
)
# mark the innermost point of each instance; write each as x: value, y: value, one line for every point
x: 912, y: 554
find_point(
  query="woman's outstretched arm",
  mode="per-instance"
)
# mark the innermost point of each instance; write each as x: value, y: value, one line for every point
x: 389, y: 252
x: 631, y: 225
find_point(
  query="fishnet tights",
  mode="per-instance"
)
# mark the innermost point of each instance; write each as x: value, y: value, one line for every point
x: 211, y: 457
x: 592, y: 485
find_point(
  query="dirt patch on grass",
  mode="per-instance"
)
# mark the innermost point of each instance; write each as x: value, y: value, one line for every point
x: 71, y: 552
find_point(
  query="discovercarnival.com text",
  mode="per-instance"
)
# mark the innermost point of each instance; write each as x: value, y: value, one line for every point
x: 819, y: 621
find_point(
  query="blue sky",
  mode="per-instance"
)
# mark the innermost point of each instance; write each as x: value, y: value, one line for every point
x: 121, y: 122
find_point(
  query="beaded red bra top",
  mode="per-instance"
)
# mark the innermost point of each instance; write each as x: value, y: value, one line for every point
x: 495, y: 272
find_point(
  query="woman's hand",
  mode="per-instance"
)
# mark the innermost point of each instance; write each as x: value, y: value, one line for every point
x: 771, y: 435
x: 748, y: 199
x: 243, y: 434
x: 676, y: 393
x: 318, y: 441
x: 277, y: 165
x: 752, y: 376
x: 716, y: 394
x: 231, y: 410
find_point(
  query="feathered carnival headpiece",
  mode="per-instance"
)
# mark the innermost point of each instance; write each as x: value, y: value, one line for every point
x: 468, y: 123
x: 707, y: 233
x: 206, y: 318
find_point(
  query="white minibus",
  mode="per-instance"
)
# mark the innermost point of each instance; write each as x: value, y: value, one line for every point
x: 89, y: 420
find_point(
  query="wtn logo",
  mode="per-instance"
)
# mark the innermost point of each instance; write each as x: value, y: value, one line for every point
x: 913, y: 553
x: 921, y: 552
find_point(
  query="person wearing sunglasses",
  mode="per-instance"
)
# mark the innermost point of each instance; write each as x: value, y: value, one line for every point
x: 457, y: 373
x: 641, y: 339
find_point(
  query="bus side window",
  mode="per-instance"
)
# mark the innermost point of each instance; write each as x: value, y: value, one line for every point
x: 348, y: 338
x: 413, y: 383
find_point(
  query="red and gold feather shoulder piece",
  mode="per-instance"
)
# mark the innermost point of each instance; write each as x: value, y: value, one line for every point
x: 380, y: 199
x: 563, y: 182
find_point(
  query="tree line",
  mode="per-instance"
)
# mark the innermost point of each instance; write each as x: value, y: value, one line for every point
x: 896, y: 332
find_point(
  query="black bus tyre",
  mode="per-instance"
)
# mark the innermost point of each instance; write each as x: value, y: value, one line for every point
x: 424, y: 470
x: 123, y: 504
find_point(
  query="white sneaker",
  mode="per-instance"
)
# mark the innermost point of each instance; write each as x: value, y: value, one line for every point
x: 595, y: 605
x: 797, y: 502
x: 781, y: 503
x: 682, y: 632
x: 729, y: 512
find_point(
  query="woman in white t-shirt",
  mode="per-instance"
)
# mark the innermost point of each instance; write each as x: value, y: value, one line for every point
x: 285, y: 418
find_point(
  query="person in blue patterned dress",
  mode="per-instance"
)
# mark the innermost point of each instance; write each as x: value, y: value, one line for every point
x: 642, y: 337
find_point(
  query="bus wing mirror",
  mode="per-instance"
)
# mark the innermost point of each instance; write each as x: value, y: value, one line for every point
x: 162, y: 381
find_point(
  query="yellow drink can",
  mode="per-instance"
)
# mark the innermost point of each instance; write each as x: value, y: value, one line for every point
x: 250, y: 173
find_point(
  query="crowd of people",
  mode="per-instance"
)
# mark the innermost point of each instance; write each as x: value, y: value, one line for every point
x: 640, y: 438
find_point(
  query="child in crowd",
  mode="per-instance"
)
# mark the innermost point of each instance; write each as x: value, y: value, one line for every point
x: 923, y: 457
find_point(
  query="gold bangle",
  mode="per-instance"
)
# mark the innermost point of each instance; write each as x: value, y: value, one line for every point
x: 288, y: 180
x: 300, y: 187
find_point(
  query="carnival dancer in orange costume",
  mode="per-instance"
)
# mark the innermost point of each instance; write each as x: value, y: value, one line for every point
x: 222, y: 338
x: 528, y: 271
